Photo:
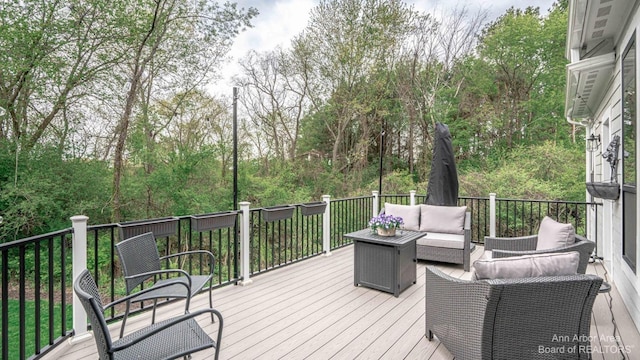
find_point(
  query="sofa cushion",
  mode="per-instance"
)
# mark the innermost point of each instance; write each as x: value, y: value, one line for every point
x: 442, y: 219
x: 444, y: 240
x: 553, y: 234
x: 527, y: 266
x: 410, y: 214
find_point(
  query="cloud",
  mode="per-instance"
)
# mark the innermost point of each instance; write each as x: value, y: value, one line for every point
x: 276, y: 25
x: 280, y: 20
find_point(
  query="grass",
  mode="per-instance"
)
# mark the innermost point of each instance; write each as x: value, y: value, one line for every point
x: 29, y: 326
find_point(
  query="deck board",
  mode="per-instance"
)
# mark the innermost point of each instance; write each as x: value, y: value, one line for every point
x: 312, y: 310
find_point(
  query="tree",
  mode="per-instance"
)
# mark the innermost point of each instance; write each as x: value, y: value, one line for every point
x: 349, y: 43
x: 275, y: 95
x: 155, y: 24
x: 51, y: 52
x: 430, y: 77
x: 512, y: 46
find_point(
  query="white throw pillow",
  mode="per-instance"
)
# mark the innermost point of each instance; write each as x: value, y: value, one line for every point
x: 410, y: 214
x: 442, y: 219
x: 552, y: 264
x: 553, y: 235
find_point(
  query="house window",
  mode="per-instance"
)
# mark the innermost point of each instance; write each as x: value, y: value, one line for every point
x: 629, y: 106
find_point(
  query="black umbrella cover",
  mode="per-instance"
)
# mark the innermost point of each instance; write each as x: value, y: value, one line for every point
x: 443, y: 179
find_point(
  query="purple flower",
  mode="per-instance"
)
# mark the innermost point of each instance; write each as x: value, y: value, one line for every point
x: 385, y: 221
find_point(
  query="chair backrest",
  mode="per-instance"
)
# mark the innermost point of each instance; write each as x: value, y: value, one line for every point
x: 138, y: 255
x: 87, y: 291
x: 526, y: 315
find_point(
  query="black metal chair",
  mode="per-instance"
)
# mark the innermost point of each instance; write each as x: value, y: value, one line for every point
x: 141, y: 261
x: 168, y: 339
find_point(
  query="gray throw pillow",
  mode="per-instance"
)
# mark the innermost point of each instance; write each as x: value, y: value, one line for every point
x: 442, y: 219
x: 553, y: 235
x: 553, y: 264
x: 410, y: 214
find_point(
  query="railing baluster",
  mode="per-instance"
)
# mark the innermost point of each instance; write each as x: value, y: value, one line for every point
x: 22, y: 298
x: 51, y: 289
x: 5, y: 303
x: 36, y: 281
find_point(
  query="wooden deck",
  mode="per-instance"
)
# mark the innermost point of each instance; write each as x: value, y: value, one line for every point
x: 311, y: 310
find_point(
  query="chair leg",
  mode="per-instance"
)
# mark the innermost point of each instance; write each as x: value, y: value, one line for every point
x: 211, y: 302
x: 124, y: 318
x: 153, y: 314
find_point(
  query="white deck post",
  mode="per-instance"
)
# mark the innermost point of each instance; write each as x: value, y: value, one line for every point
x: 245, y: 264
x: 412, y: 197
x: 492, y: 214
x: 79, y: 263
x: 326, y: 226
x: 375, y: 203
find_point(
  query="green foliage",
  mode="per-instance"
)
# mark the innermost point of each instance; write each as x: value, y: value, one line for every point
x: 503, y: 103
x: 543, y: 172
x: 48, y: 190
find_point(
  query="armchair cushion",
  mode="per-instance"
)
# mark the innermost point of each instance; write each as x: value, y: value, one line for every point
x: 410, y: 214
x: 442, y: 219
x: 553, y: 234
x: 527, y: 266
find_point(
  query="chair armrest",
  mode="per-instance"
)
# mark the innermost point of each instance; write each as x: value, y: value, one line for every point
x: 139, y: 336
x: 455, y: 310
x: 467, y: 231
x: 520, y: 243
x: 212, y: 260
x: 144, y: 291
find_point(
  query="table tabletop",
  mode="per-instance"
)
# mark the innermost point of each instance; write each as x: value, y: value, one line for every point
x: 402, y: 237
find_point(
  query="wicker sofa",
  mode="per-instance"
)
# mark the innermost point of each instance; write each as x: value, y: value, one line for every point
x: 524, y: 318
x: 447, y: 231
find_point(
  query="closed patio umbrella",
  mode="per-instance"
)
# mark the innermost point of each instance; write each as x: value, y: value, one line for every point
x: 443, y: 178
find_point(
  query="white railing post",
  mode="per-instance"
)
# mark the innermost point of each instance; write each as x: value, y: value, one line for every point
x: 412, y: 197
x: 492, y: 214
x: 375, y: 210
x: 326, y: 226
x: 79, y: 263
x: 245, y: 264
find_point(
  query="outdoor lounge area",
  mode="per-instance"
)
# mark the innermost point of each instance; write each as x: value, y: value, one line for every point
x: 311, y: 309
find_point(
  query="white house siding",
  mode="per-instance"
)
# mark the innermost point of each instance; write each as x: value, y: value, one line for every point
x: 607, y: 124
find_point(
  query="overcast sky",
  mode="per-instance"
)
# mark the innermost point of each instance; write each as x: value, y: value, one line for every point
x: 280, y: 20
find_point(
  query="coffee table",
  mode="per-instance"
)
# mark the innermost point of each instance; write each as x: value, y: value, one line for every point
x: 386, y: 263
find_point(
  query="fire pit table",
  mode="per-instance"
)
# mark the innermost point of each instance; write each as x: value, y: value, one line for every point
x: 386, y: 263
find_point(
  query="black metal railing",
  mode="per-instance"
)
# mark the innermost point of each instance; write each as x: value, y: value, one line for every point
x: 348, y: 215
x: 36, y: 302
x: 37, y: 280
x: 515, y: 217
x: 283, y: 239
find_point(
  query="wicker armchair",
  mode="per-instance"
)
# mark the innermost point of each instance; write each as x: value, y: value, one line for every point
x: 168, y: 339
x: 526, y: 245
x: 524, y: 318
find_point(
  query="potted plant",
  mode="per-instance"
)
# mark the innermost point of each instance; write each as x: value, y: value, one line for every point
x: 385, y: 225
